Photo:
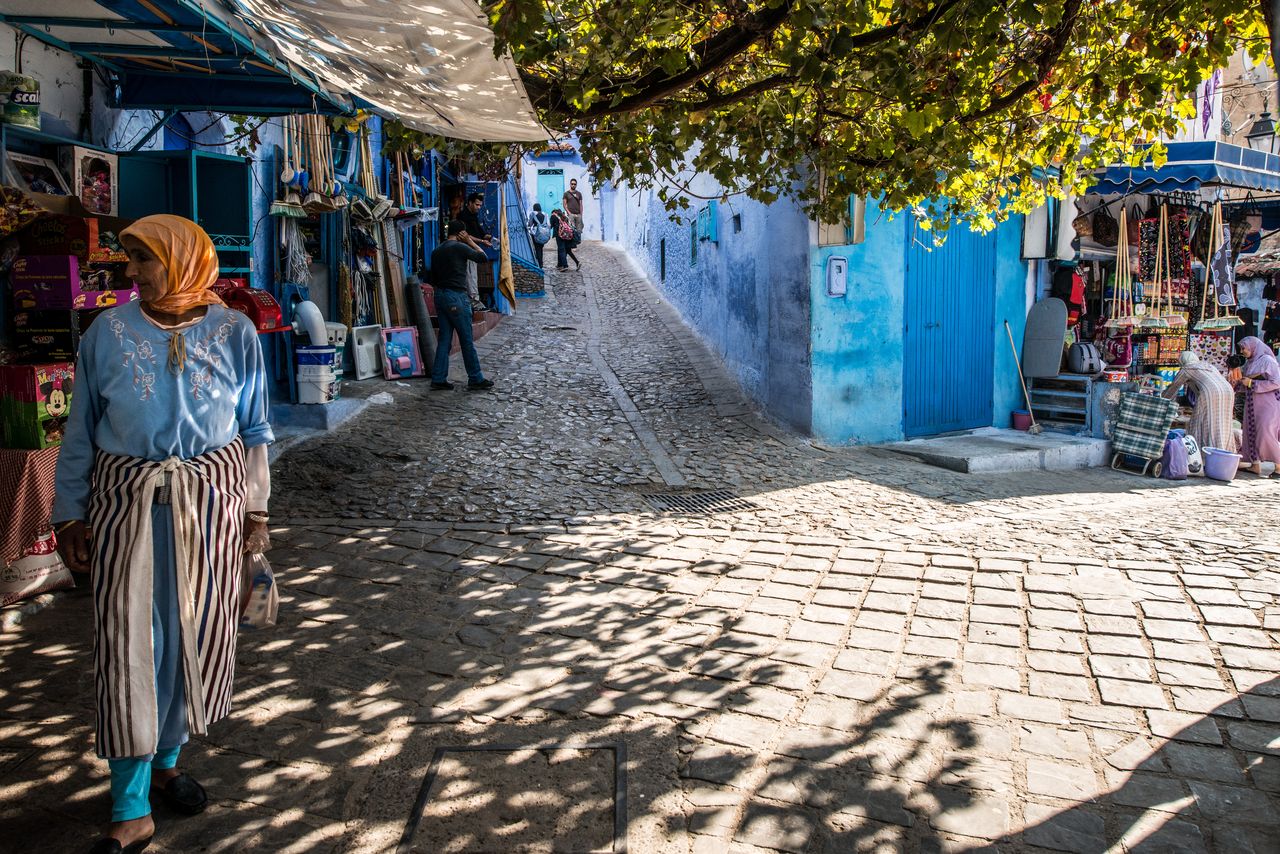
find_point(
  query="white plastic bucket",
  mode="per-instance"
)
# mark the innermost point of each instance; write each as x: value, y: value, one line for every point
x: 317, y: 372
x: 313, y: 390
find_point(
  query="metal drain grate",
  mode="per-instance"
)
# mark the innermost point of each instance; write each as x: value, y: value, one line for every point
x: 698, y: 503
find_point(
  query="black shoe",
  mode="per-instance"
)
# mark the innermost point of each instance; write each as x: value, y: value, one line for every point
x: 565, y: 267
x: 483, y: 385
x: 112, y: 846
x: 444, y: 386
x: 183, y: 795
x: 576, y: 265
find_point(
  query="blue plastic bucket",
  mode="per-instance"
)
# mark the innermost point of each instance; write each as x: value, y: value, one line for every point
x: 1220, y: 464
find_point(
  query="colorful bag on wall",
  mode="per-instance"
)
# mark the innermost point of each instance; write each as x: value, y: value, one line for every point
x: 1134, y: 224
x: 1082, y: 224
x: 1118, y: 350
x: 1106, y: 231
x: 1246, y: 228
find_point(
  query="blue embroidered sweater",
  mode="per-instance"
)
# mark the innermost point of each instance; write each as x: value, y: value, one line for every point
x: 128, y: 401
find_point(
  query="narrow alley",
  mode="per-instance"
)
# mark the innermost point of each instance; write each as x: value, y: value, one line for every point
x: 507, y: 626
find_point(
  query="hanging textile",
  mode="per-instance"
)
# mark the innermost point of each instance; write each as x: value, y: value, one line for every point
x: 1224, y: 274
x: 506, y: 277
x: 1206, y: 105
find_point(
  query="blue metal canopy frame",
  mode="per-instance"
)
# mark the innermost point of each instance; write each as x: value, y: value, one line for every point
x: 1192, y: 165
x: 174, y: 54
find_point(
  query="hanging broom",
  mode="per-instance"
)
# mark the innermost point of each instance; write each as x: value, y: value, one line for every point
x: 314, y: 202
x: 1228, y: 320
x: 1123, y: 316
x: 287, y: 173
x: 1218, y: 322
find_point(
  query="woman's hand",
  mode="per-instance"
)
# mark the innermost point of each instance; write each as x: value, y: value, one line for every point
x: 73, y: 545
x: 256, y: 537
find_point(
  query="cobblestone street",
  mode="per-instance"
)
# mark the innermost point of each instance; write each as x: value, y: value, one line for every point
x: 873, y: 655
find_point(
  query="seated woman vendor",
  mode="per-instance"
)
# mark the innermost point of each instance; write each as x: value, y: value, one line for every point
x: 1260, y: 381
x: 1211, y: 415
x: 162, y: 487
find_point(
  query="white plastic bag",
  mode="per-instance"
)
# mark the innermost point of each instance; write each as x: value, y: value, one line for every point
x: 259, y: 598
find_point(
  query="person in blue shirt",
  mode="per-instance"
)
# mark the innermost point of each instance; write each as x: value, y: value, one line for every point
x: 162, y: 487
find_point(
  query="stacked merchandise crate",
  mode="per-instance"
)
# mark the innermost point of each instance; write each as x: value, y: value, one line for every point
x: 70, y: 270
x: 34, y: 402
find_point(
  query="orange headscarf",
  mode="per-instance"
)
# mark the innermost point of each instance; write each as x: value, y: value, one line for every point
x: 187, y: 254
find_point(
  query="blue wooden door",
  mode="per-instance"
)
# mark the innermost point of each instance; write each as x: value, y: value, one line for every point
x: 550, y: 189
x: 949, y: 331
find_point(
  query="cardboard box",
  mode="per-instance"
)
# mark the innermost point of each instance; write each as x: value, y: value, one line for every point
x: 61, y: 281
x: 24, y: 427
x: 46, y: 387
x: 94, y: 178
x: 89, y: 238
x: 50, y: 335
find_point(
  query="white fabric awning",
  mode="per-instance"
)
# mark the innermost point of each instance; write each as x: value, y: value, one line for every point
x: 429, y: 63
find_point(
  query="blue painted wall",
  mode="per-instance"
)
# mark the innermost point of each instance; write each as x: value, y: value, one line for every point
x: 858, y: 339
x: 1012, y: 304
x: 746, y: 295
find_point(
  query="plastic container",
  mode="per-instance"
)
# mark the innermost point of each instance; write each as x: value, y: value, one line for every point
x: 318, y: 384
x: 1021, y: 419
x: 1220, y: 465
x: 316, y: 356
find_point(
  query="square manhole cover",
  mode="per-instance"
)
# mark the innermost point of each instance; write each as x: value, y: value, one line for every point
x: 551, y: 799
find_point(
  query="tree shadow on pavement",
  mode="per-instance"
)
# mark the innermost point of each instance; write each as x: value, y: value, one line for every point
x: 741, y: 726
x: 1213, y: 786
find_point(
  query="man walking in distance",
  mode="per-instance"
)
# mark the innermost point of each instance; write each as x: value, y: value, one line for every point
x: 572, y: 201
x: 449, y: 264
x: 470, y: 218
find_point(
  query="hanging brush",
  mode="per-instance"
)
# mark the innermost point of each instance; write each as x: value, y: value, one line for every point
x: 1123, y: 315
x: 301, y: 179
x: 315, y: 201
x: 287, y: 173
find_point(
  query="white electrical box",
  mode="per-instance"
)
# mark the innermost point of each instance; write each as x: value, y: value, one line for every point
x: 837, y: 276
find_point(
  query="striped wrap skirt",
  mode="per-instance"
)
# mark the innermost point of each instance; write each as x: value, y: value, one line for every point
x: 207, y: 497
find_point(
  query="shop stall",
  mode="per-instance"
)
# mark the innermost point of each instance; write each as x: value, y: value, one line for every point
x: 1158, y: 252
x: 1163, y: 260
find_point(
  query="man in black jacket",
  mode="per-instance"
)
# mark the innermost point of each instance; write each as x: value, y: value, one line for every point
x: 470, y: 218
x: 449, y: 274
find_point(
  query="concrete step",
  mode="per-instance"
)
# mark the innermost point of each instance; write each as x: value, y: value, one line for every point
x: 994, y: 450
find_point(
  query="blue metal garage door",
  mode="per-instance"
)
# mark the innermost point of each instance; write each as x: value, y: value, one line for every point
x: 949, y: 334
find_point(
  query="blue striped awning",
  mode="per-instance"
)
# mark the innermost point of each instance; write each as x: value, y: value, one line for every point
x: 1192, y: 165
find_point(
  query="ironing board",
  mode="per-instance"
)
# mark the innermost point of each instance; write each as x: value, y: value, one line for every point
x: 1043, y: 337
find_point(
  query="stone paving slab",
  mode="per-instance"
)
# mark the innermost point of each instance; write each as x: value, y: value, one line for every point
x: 884, y: 657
